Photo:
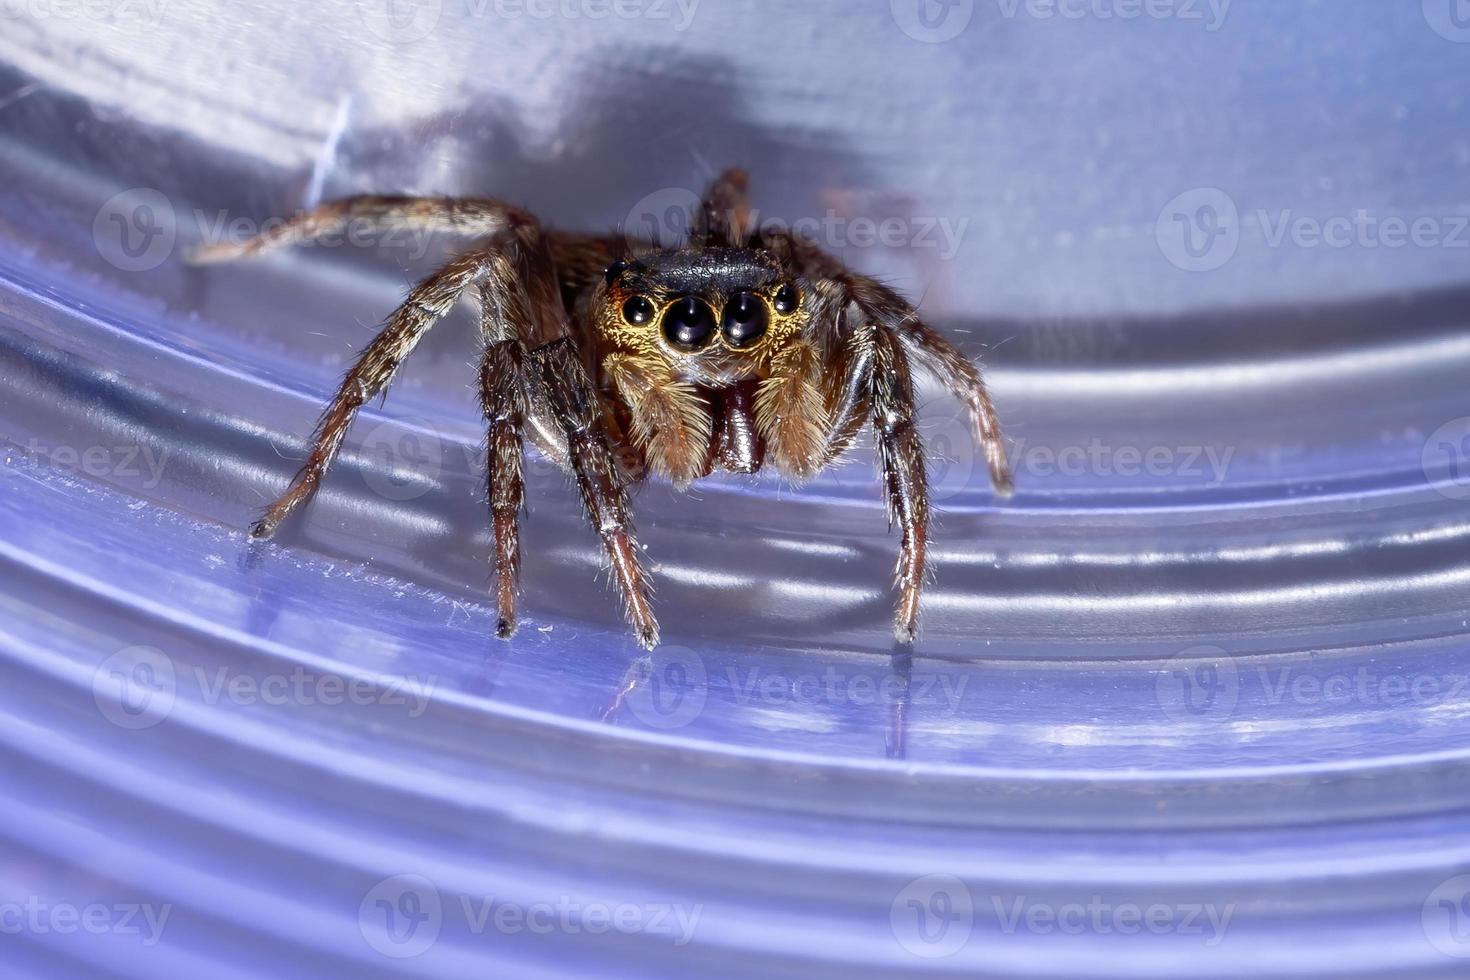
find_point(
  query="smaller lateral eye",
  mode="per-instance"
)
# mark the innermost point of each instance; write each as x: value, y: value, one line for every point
x: 613, y: 271
x: 638, y: 310
x: 787, y: 299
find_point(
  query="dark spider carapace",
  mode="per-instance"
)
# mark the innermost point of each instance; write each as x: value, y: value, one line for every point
x: 745, y: 347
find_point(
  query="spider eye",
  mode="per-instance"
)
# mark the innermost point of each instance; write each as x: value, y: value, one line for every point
x: 689, y: 324
x: 613, y: 271
x: 638, y: 310
x: 745, y: 319
x: 787, y: 299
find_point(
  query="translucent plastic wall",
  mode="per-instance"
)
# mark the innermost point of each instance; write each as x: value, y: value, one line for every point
x: 1194, y: 703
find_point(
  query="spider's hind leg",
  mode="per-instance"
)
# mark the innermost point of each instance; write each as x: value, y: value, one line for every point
x: 724, y: 212
x: 373, y: 214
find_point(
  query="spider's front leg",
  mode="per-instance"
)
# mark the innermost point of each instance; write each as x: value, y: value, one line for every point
x: 559, y: 384
x: 875, y: 338
x: 838, y: 291
x: 533, y: 374
x: 876, y: 381
x: 503, y: 397
x: 901, y: 455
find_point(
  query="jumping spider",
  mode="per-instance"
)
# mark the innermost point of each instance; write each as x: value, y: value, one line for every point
x: 745, y: 346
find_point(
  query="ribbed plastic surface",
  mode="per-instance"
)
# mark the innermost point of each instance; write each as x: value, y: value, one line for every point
x: 1193, y: 704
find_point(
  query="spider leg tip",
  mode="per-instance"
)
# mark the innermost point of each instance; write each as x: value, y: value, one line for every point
x: 208, y: 254
x: 648, y: 636
x: 505, y: 627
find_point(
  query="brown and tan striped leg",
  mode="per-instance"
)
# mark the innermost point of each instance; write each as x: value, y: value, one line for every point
x: 428, y: 302
x: 837, y: 289
x: 901, y: 455
x: 560, y: 385
x: 535, y: 373
x: 723, y: 218
x: 503, y: 397
x: 476, y: 216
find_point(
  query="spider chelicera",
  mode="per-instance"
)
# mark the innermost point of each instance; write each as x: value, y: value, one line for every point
x: 746, y: 346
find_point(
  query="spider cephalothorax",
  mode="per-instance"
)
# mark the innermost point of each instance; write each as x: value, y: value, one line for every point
x: 705, y: 346
x: 742, y: 348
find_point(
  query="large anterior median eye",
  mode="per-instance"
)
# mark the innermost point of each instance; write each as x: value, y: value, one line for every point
x: 689, y: 324
x: 745, y: 319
